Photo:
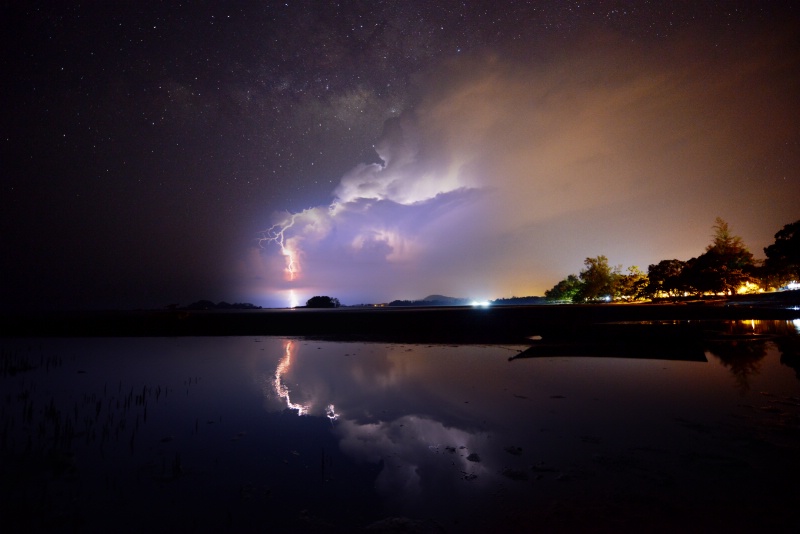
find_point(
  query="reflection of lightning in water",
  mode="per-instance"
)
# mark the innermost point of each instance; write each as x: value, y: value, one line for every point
x: 280, y: 387
x: 277, y: 234
x: 273, y: 387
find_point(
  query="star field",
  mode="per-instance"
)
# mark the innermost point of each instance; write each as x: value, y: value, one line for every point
x: 147, y: 144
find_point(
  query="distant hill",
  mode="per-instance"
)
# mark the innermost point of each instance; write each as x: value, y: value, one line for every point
x: 209, y: 305
x: 520, y: 301
x: 443, y: 300
x: 432, y: 300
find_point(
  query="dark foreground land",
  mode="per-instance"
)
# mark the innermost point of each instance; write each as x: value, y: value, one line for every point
x: 502, y: 324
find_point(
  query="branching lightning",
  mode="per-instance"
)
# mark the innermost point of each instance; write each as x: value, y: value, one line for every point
x: 277, y: 234
x: 282, y: 390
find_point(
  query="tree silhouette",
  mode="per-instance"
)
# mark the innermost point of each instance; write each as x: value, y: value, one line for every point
x: 566, y: 289
x: 724, y: 267
x: 598, y: 280
x: 783, y: 256
x: 665, y: 277
x: 322, y: 302
x: 631, y: 286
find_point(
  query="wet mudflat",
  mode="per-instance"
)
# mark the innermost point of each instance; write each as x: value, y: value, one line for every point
x: 250, y: 433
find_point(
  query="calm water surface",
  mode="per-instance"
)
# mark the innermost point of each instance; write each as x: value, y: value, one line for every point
x: 275, y: 434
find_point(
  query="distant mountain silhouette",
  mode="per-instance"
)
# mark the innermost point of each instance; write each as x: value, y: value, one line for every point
x: 432, y: 300
x: 209, y: 305
x: 443, y: 298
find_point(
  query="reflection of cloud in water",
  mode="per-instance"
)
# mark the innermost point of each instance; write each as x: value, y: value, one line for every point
x: 416, y: 452
x: 387, y: 418
x: 310, y: 381
x: 418, y: 412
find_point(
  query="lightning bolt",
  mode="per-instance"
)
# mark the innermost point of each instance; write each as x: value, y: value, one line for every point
x: 331, y: 414
x: 277, y: 234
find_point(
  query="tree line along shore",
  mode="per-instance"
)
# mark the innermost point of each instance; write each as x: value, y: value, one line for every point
x: 726, y: 267
x: 499, y: 324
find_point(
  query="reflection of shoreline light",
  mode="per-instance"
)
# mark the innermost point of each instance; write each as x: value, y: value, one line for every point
x: 280, y: 387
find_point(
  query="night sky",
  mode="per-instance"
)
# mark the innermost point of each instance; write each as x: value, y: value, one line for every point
x: 476, y: 149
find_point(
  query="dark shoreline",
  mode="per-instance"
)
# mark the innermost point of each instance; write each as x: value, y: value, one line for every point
x: 501, y: 324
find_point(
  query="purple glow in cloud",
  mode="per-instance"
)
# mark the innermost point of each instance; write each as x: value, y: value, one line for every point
x: 378, y: 222
x: 507, y: 175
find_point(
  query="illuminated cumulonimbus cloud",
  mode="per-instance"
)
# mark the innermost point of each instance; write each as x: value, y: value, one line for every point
x: 378, y: 220
x: 508, y: 173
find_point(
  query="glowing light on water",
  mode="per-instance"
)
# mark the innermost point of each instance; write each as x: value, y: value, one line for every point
x: 274, y: 386
x: 280, y: 388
